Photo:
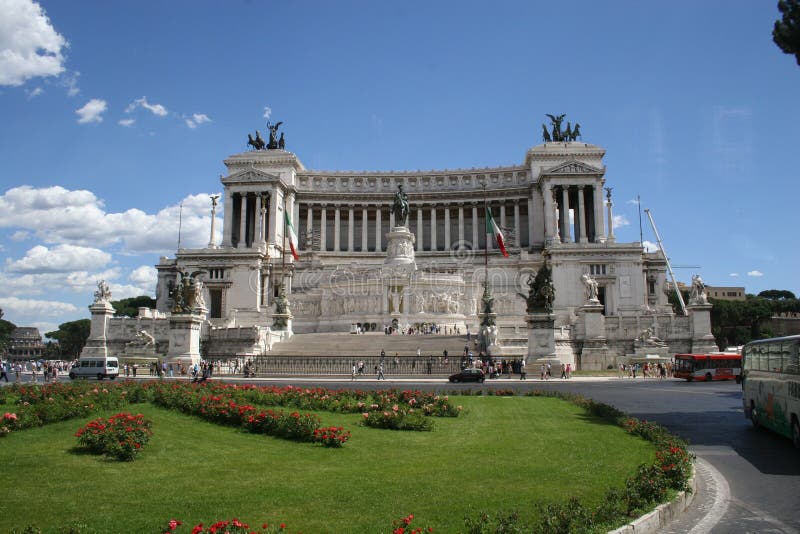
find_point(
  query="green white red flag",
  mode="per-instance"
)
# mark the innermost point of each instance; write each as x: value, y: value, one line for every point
x: 292, y: 236
x: 491, y: 227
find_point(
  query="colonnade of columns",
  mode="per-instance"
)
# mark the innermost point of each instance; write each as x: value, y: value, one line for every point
x: 586, y: 204
x: 249, y: 221
x: 436, y: 226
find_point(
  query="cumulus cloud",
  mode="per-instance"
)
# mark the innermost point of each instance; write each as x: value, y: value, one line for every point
x: 267, y: 112
x: 61, y: 216
x: 33, y: 93
x: 144, y: 277
x: 755, y: 273
x: 29, y: 45
x: 59, y: 259
x: 92, y: 111
x: 196, y: 119
x: 20, y: 235
x: 649, y: 246
x: 127, y: 122
x: 620, y: 220
x: 42, y: 283
x: 155, y: 109
x: 734, y: 275
x: 31, y: 307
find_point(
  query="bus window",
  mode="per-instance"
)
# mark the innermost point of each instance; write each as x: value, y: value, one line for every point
x: 792, y: 363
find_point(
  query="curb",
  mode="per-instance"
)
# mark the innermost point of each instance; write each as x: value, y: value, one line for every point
x: 654, y: 521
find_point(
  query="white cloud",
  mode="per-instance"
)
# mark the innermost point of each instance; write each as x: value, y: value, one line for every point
x: 620, y: 220
x: 60, y: 216
x: 59, y: 259
x: 38, y: 284
x: 29, y: 45
x: 20, y: 235
x: 92, y: 111
x: 634, y: 201
x: 144, y: 277
x: 31, y: 307
x: 755, y: 273
x: 196, y: 119
x: 267, y: 112
x: 649, y: 246
x: 33, y: 93
x: 44, y: 327
x: 70, y: 81
x: 156, y: 109
x: 734, y: 275
x: 127, y: 122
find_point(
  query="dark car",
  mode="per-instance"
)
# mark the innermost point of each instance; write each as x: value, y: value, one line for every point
x: 468, y: 375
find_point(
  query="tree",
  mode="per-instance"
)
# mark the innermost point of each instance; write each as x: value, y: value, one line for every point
x: 6, y: 328
x: 786, y: 33
x: 130, y: 306
x: 71, y: 336
x: 776, y: 294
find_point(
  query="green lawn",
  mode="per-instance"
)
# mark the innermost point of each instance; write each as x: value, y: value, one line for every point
x: 501, y: 453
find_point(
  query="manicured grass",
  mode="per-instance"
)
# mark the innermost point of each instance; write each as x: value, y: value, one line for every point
x: 501, y: 453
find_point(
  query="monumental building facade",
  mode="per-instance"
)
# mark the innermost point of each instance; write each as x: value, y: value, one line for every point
x: 552, y: 207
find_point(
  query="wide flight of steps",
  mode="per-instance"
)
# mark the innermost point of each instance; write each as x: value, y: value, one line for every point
x: 370, y: 345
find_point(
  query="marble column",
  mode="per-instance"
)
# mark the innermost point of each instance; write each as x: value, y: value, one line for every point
x: 502, y: 214
x: 556, y: 225
x: 420, y: 239
x: 391, y: 219
x: 243, y: 221
x: 610, y: 237
x: 599, y: 223
x: 447, y: 227
x: 433, y: 227
x: 310, y: 227
x: 549, y: 232
x: 364, y: 229
x: 461, y: 224
x: 378, y: 230
x: 566, y: 236
x: 262, y: 225
x: 227, y: 221
x: 582, y: 215
x: 517, y: 235
x: 350, y: 230
x: 530, y: 222
x: 211, y: 243
x: 337, y: 229
x: 323, y: 229
x: 475, y: 242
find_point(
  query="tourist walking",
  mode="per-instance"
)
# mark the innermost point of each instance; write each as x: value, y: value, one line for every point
x: 380, y: 372
x: 3, y: 371
x: 563, y: 370
x: 523, y: 375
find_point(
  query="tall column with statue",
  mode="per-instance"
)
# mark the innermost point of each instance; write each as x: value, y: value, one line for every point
x: 699, y: 311
x: 540, y: 318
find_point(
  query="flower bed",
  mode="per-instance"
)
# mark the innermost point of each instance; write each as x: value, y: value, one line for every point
x: 121, y: 436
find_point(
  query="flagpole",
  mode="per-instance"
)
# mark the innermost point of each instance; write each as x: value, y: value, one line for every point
x: 486, y: 237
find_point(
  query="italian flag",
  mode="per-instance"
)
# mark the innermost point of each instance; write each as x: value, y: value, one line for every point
x: 491, y: 227
x: 292, y: 236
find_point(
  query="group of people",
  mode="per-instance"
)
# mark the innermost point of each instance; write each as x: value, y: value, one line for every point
x: 645, y: 370
x: 49, y: 370
x: 422, y: 329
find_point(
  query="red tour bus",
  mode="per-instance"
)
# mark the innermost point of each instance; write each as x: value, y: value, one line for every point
x: 707, y: 367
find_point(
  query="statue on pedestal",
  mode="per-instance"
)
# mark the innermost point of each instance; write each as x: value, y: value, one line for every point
x: 103, y: 293
x: 698, y: 292
x: 590, y: 285
x: 273, y: 135
x: 541, y: 292
x: 400, y: 208
x: 185, y: 293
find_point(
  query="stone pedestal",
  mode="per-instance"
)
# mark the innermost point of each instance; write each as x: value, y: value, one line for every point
x: 400, y: 249
x: 702, y: 338
x: 541, y: 338
x: 184, y: 338
x: 489, y: 337
x: 594, y: 355
x: 96, y: 344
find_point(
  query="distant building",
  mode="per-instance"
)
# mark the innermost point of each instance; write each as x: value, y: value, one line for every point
x: 725, y: 293
x: 25, y: 343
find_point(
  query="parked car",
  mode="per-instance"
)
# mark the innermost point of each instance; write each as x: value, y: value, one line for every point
x: 468, y: 375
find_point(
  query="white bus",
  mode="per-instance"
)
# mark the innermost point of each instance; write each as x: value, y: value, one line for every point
x: 771, y: 385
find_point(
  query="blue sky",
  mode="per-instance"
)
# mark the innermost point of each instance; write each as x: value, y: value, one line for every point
x: 113, y: 113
